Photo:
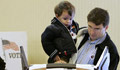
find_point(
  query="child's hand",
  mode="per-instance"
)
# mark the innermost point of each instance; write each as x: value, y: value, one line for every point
x: 60, y: 61
x: 57, y: 58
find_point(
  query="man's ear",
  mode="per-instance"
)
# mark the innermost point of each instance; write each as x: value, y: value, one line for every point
x: 106, y: 27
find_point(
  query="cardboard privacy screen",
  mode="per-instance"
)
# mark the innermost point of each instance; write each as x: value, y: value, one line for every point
x: 10, y: 43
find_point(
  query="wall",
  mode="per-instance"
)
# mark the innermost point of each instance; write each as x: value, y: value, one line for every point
x: 33, y: 16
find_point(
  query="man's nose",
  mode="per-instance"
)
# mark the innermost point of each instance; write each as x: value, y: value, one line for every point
x: 68, y: 21
x: 92, y: 31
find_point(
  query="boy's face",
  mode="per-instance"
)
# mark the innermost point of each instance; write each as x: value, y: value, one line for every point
x: 96, y: 31
x: 65, y: 18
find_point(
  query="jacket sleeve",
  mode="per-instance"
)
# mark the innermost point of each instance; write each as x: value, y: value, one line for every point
x: 47, y: 39
x: 2, y: 64
x: 114, y: 62
x: 114, y: 59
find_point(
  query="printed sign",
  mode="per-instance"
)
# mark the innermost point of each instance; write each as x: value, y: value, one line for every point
x: 10, y: 43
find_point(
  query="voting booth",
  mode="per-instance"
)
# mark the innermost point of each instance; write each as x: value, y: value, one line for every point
x: 103, y: 64
x: 10, y: 43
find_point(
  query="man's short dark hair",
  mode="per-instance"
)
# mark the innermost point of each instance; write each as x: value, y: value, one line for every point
x: 98, y: 16
x: 64, y: 5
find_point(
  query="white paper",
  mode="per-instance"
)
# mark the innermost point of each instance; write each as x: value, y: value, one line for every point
x: 37, y: 66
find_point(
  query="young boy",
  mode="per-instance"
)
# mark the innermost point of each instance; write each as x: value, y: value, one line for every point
x: 59, y: 38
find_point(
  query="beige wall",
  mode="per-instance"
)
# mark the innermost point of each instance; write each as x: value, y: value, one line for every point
x: 33, y: 16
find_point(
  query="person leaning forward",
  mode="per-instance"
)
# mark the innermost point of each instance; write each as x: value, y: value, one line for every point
x: 92, y: 41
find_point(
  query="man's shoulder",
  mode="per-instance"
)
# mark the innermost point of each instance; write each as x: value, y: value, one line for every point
x: 108, y: 41
x: 82, y: 31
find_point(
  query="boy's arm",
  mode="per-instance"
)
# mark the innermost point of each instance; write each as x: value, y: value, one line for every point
x: 47, y: 39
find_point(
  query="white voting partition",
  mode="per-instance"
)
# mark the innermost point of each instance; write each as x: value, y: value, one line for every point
x: 102, y: 64
x: 10, y: 43
x: 24, y: 63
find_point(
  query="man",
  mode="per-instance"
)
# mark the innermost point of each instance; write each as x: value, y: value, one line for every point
x: 95, y: 39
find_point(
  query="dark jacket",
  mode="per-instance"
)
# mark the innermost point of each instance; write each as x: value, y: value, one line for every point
x: 56, y: 38
x: 114, y: 56
x: 2, y: 64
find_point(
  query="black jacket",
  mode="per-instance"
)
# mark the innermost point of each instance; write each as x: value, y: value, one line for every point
x: 114, y: 56
x: 56, y: 38
x: 2, y: 64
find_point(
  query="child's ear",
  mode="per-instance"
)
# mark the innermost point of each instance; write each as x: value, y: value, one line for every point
x: 56, y: 15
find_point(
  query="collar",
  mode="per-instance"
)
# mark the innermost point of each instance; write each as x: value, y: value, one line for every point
x: 104, y: 43
x: 98, y: 41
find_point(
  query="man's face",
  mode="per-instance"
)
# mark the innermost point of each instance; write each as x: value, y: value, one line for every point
x: 96, y: 31
x: 65, y: 18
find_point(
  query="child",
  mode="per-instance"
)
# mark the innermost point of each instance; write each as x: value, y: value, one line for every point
x: 59, y: 38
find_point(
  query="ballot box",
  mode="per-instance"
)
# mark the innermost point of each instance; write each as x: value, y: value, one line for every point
x: 102, y: 64
x: 59, y: 66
